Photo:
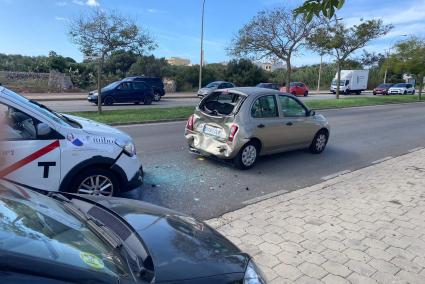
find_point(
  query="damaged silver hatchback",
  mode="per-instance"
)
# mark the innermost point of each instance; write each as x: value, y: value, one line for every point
x: 241, y: 124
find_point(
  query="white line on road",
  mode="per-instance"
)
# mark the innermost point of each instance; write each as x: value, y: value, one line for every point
x: 415, y: 149
x: 382, y: 160
x: 336, y: 175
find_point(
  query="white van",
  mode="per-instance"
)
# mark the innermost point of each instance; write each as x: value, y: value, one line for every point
x: 352, y: 81
x: 43, y: 149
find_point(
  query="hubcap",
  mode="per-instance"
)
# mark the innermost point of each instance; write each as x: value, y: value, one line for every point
x: 157, y: 97
x: 97, y: 185
x: 321, y: 142
x: 249, y: 155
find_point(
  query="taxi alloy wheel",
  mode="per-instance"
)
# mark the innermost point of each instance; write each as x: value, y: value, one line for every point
x: 96, y: 185
x: 96, y: 181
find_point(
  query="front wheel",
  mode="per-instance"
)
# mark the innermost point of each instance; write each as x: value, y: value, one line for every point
x: 108, y: 101
x: 156, y: 97
x: 247, y: 156
x: 404, y: 93
x: 305, y: 94
x: 319, y: 142
x: 101, y: 182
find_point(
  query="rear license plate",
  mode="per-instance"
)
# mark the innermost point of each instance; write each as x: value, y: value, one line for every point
x: 214, y: 131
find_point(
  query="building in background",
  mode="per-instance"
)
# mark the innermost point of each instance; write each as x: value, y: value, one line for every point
x: 270, y: 66
x: 178, y: 61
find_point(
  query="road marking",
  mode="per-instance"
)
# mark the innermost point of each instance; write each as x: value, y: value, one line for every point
x: 382, y: 160
x: 337, y: 174
x: 415, y: 149
x: 264, y: 197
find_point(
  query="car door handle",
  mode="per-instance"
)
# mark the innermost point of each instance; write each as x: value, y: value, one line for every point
x: 261, y: 126
x: 289, y: 123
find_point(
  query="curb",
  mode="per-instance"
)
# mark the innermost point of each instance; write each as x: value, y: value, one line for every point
x: 85, y: 98
x: 147, y: 122
x: 221, y: 220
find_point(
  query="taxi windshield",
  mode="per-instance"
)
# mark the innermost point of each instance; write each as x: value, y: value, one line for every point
x: 41, y: 230
x: 57, y: 117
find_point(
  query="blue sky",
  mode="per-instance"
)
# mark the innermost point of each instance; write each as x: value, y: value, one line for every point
x: 34, y: 27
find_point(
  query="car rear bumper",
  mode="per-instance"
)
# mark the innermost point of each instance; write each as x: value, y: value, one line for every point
x: 206, y: 145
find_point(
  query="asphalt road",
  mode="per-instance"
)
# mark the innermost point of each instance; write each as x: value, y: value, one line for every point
x: 206, y: 188
x: 80, y: 105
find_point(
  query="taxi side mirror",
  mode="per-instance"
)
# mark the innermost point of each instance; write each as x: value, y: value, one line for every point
x: 312, y: 112
x: 43, y: 129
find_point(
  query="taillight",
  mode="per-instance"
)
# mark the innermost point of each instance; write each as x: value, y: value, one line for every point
x: 233, y: 129
x: 190, y: 122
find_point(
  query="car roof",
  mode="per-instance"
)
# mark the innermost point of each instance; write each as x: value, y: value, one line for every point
x: 253, y: 91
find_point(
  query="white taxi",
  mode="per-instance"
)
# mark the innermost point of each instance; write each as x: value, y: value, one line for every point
x: 43, y: 149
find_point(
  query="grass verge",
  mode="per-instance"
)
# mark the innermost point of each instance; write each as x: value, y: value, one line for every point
x: 128, y: 116
x: 361, y: 101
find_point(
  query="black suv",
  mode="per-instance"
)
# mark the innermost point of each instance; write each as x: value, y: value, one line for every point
x: 124, y: 91
x: 154, y: 82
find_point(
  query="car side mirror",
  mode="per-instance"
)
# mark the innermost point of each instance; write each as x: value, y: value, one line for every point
x: 43, y: 129
x: 312, y: 112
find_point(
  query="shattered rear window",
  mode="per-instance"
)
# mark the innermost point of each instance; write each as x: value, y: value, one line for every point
x: 221, y: 103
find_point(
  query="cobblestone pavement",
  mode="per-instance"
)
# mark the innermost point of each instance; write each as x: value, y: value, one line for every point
x: 367, y: 226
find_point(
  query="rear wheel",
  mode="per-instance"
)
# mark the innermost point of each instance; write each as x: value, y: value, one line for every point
x: 319, y: 142
x: 98, y: 181
x: 247, y: 156
x: 156, y: 97
x: 147, y: 100
x: 108, y: 101
x: 137, y: 103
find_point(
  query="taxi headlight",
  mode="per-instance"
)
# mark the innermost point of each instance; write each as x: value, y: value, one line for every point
x: 253, y: 275
x: 127, y: 146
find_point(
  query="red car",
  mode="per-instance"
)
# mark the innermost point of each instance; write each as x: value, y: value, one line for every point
x: 382, y: 89
x: 298, y: 89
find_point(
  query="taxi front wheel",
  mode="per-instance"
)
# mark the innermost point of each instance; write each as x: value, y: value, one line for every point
x: 100, y: 182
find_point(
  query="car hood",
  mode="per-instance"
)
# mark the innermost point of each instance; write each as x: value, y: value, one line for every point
x: 96, y: 128
x: 206, y: 90
x: 181, y: 247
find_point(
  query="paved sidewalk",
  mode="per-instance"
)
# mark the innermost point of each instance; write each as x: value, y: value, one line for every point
x: 367, y: 226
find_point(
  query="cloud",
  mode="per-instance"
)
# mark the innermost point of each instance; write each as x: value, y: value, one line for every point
x: 91, y: 3
x: 62, y: 19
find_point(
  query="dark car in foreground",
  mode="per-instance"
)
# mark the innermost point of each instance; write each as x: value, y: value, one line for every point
x: 382, y: 89
x: 154, y: 82
x: 124, y: 91
x: 67, y: 238
x: 211, y: 87
x: 272, y: 86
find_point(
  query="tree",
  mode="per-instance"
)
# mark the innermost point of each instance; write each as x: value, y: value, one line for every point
x: 245, y: 73
x: 149, y: 66
x: 100, y: 33
x: 272, y: 34
x: 340, y: 41
x: 410, y: 58
x: 311, y: 8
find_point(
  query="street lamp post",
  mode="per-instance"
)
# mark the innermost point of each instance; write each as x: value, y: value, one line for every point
x: 201, y: 63
x: 320, y: 72
x: 388, y: 56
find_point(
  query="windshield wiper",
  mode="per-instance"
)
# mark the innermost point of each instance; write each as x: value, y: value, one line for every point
x: 104, y: 233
